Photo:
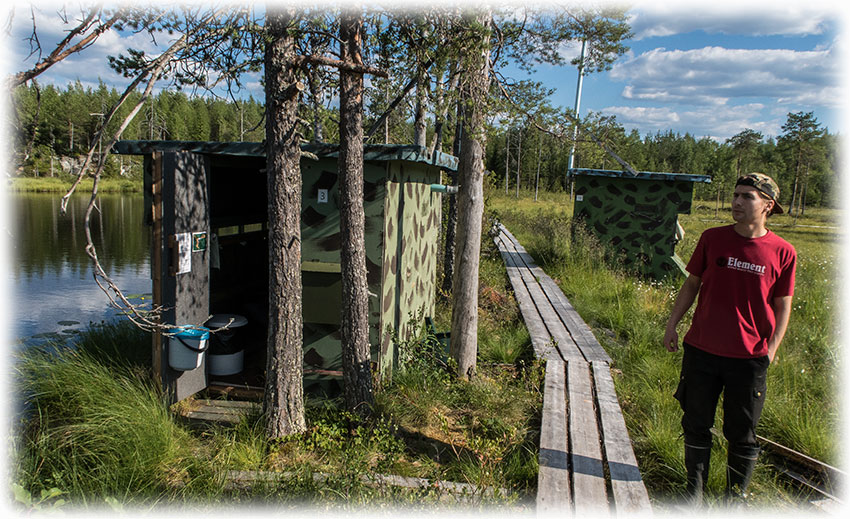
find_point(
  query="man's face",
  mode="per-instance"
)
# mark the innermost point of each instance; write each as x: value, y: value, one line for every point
x: 748, y: 206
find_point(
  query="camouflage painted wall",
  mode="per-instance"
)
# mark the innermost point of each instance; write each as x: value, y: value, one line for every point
x: 402, y: 226
x: 410, y: 252
x: 320, y: 255
x: 636, y: 216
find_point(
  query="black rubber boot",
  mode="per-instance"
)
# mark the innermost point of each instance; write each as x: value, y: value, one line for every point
x: 697, y: 461
x: 739, y: 471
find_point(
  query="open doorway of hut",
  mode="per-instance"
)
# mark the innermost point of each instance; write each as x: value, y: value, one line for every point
x: 239, y: 283
x: 238, y: 271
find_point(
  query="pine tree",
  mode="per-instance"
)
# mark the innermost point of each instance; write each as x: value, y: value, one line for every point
x: 283, y: 401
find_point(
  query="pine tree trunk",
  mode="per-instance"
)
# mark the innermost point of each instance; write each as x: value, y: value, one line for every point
x: 356, y: 358
x: 518, y: 161
x: 539, y: 156
x: 283, y: 402
x: 507, y: 158
x: 419, y: 123
x: 440, y: 117
x: 796, y: 180
x: 451, y: 219
x: 316, y: 98
x: 464, y: 343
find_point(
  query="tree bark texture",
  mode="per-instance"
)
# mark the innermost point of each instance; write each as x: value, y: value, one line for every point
x: 419, y: 124
x: 451, y: 219
x: 464, y: 343
x: 283, y: 401
x: 316, y: 98
x: 356, y: 357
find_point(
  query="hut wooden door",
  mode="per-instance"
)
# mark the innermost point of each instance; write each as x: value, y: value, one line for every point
x: 180, y: 259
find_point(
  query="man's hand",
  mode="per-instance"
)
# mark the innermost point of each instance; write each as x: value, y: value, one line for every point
x: 671, y: 339
x: 684, y: 300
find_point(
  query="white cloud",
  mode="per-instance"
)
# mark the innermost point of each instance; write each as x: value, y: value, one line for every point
x: 717, y: 122
x: 714, y: 75
x: 651, y: 18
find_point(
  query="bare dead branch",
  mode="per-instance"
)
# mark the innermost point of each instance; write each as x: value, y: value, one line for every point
x: 62, y: 49
x: 395, y: 102
x: 146, y: 320
x: 301, y: 61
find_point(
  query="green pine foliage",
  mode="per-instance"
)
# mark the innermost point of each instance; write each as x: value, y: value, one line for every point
x: 804, y: 160
x: 53, y: 123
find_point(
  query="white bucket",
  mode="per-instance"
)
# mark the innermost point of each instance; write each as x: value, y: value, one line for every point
x: 226, y: 364
x: 186, y: 348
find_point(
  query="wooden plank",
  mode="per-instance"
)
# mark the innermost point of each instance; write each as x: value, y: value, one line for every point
x: 228, y: 411
x: 537, y: 330
x: 832, y: 473
x: 579, y: 330
x: 564, y: 342
x: 627, y: 487
x: 155, y: 163
x: 185, y: 296
x: 553, y: 480
x: 230, y: 404
x: 214, y: 417
x: 540, y: 338
x: 551, y: 298
x: 465, y: 492
x: 235, y: 391
x: 589, y: 486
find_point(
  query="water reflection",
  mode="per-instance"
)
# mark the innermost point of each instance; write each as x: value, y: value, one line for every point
x: 53, y: 291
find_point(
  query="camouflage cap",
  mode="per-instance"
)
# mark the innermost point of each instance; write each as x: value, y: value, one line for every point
x: 765, y: 185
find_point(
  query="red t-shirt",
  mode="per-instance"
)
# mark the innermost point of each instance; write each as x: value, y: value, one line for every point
x: 740, y: 277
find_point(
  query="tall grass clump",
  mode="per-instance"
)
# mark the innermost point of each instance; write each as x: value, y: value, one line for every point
x: 98, y: 432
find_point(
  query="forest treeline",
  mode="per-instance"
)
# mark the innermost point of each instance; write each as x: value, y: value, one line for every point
x: 804, y: 159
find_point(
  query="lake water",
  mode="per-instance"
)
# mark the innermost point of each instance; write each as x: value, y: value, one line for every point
x: 51, y: 291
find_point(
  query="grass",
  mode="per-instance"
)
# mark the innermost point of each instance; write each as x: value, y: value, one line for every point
x: 95, y: 432
x: 62, y: 184
x: 98, y: 434
x: 628, y: 314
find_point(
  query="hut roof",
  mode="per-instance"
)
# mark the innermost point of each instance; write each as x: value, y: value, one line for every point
x: 371, y: 152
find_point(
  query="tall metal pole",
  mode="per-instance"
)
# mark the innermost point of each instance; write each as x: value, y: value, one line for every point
x: 577, y: 108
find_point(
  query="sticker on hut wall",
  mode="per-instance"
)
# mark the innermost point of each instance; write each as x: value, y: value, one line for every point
x: 579, y: 198
x: 184, y: 252
x: 199, y: 242
x: 323, y: 196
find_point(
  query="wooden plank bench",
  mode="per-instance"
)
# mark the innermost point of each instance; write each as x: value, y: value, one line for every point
x: 586, y: 461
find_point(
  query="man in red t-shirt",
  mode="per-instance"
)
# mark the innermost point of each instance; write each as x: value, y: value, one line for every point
x: 744, y: 276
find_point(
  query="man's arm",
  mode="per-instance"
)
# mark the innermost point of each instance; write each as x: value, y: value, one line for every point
x: 687, y: 295
x: 782, y: 312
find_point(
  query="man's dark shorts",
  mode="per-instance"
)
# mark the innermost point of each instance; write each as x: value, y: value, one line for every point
x: 742, y: 381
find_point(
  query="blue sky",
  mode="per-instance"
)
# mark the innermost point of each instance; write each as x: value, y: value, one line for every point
x: 714, y: 69
x: 705, y: 68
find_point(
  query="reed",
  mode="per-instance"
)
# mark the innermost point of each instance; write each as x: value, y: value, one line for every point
x: 62, y: 184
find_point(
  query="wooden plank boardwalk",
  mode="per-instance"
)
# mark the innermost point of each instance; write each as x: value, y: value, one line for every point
x: 221, y: 411
x: 586, y: 460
